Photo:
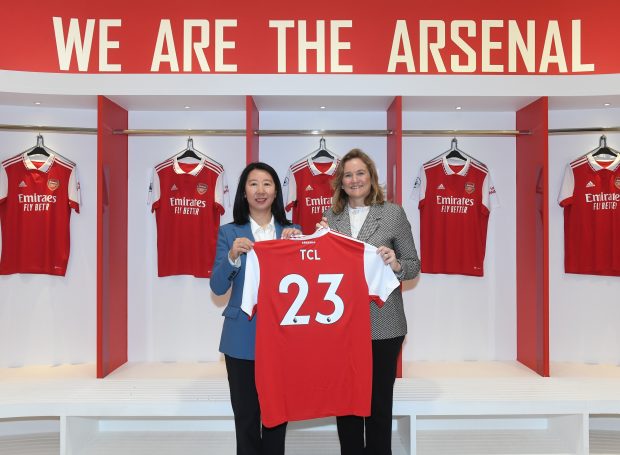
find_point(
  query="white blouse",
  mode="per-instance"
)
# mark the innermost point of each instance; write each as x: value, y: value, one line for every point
x: 357, y: 216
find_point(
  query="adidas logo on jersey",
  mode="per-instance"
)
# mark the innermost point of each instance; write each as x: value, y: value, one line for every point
x: 22, y: 184
x: 174, y: 187
x: 590, y: 184
x: 441, y: 187
x: 309, y: 188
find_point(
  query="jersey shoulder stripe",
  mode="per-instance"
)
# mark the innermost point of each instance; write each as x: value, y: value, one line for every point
x: 14, y: 159
x: 299, y: 166
x: 433, y: 163
x: 218, y: 169
x: 65, y: 160
x: 214, y: 164
x: 68, y: 165
x: 163, y: 165
x: 579, y: 161
x: 479, y: 166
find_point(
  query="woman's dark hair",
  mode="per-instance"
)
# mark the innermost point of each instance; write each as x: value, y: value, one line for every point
x: 241, y: 209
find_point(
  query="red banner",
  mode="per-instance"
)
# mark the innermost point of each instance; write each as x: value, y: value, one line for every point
x: 332, y: 37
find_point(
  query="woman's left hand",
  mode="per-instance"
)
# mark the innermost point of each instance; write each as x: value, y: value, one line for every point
x: 287, y: 233
x: 389, y: 257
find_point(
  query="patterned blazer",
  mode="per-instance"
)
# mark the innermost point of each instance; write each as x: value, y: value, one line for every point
x: 386, y: 224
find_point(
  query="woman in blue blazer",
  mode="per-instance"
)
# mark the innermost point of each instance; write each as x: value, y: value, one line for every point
x: 258, y: 214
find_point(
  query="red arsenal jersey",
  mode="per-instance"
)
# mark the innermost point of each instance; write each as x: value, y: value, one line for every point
x: 188, y: 200
x: 309, y: 191
x: 590, y: 196
x: 313, y: 341
x: 455, y: 199
x: 36, y: 198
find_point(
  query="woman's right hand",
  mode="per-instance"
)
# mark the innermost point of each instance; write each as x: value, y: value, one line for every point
x: 240, y: 246
x: 322, y: 223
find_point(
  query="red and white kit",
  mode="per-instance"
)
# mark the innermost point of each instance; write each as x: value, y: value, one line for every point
x: 313, y: 342
x: 36, y: 198
x: 309, y: 191
x: 188, y: 200
x: 455, y: 199
x: 590, y: 195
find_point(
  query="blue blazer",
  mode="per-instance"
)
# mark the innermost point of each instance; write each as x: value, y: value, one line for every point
x: 238, y: 333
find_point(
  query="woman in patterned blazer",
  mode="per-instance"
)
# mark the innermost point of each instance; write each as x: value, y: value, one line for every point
x: 359, y: 209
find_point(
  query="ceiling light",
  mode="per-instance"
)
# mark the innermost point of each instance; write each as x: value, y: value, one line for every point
x: 322, y: 107
x: 37, y: 103
x: 187, y: 107
x: 607, y: 104
x: 458, y: 108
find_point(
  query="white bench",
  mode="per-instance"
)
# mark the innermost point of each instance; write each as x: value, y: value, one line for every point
x: 127, y: 414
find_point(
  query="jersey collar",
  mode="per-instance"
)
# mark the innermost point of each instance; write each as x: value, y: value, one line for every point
x: 597, y: 167
x: 32, y: 167
x: 195, y: 171
x: 329, y: 171
x: 448, y: 170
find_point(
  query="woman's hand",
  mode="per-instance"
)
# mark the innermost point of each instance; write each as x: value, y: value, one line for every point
x: 322, y: 223
x: 389, y: 257
x: 287, y: 233
x: 240, y: 246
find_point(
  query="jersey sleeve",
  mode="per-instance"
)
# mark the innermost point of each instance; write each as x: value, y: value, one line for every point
x: 4, y: 184
x: 489, y: 195
x: 568, y: 187
x: 419, y: 187
x: 290, y: 184
x: 74, y: 190
x: 379, y: 276
x: 251, y: 284
x: 221, y: 195
x: 154, y: 192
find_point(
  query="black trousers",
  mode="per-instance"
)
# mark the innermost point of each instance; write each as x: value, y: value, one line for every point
x: 379, y: 425
x: 244, y: 400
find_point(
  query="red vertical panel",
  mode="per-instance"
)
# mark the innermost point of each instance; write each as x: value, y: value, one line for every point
x: 395, y: 151
x: 251, y: 125
x: 111, y: 237
x: 395, y: 169
x: 533, y: 238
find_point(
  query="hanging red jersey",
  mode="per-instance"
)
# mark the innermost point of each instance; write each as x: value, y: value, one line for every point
x: 313, y: 341
x: 36, y: 198
x: 188, y: 200
x: 590, y: 195
x: 309, y: 191
x: 455, y: 199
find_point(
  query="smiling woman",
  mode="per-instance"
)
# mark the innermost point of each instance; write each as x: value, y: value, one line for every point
x: 258, y: 215
x: 360, y: 210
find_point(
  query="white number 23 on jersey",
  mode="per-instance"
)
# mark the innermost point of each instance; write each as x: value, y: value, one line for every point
x: 293, y: 318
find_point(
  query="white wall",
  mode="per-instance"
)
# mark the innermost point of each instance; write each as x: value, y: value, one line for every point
x: 48, y: 319
x: 584, y: 310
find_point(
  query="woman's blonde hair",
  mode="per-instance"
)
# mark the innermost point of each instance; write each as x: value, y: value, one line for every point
x: 340, y: 198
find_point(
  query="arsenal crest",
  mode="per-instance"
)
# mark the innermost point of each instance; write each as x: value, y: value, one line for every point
x: 53, y: 184
x: 617, y: 182
x: 201, y: 188
x: 469, y: 187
